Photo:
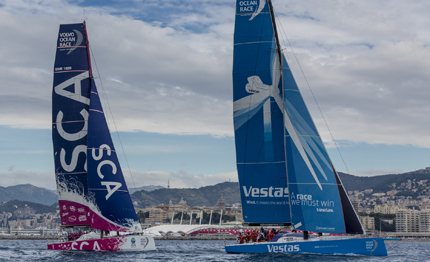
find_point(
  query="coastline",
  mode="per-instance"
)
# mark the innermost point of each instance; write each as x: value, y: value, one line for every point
x: 57, y: 237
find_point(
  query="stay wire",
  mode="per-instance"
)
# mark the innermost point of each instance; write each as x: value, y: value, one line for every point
x: 307, y: 83
x: 113, y: 119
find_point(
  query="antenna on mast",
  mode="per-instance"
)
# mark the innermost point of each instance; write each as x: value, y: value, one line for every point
x: 83, y: 14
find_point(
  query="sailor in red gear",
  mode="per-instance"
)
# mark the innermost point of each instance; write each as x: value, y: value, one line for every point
x: 254, y: 236
x: 248, y: 237
x: 241, y: 238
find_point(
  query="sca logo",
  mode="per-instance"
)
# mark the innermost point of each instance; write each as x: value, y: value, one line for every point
x: 133, y: 240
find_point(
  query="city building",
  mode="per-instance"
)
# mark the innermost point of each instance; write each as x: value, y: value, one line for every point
x: 386, y: 209
x: 424, y: 220
x: 367, y: 222
x: 407, y: 220
x: 221, y: 202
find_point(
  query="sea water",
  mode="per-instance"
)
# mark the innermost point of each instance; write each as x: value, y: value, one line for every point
x: 196, y: 250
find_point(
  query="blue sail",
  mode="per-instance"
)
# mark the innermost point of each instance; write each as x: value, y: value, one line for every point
x: 315, y: 201
x: 318, y: 200
x: 105, y: 178
x: 70, y: 105
x: 258, y: 117
x: 285, y: 173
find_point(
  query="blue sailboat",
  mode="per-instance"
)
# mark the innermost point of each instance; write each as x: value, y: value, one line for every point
x: 285, y: 174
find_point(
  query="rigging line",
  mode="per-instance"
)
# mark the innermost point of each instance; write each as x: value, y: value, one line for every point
x: 316, y: 102
x: 113, y: 119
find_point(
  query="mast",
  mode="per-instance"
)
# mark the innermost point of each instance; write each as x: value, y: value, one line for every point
x: 275, y: 31
x: 88, y: 50
x: 279, y: 52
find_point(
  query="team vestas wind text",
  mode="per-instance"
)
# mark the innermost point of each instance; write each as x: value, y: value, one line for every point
x: 87, y: 169
x: 279, y: 151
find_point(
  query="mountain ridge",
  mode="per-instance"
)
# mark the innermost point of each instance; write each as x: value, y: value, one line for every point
x: 28, y: 192
x: 208, y: 195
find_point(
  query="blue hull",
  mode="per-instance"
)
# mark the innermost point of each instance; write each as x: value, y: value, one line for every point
x: 351, y: 246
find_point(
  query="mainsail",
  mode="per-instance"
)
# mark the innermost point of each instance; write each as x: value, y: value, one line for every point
x: 90, y: 185
x: 258, y: 117
x: 277, y: 144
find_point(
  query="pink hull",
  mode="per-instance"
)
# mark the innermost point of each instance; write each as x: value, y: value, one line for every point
x: 117, y: 243
x: 75, y: 214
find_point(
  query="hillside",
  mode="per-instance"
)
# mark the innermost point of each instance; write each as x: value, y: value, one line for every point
x: 360, y: 183
x: 28, y: 192
x: 13, y: 205
x: 146, y: 188
x: 209, y: 195
x: 381, y: 183
x: 204, y: 196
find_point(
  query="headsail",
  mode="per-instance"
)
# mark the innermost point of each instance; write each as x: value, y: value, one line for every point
x: 91, y: 187
x: 258, y: 120
x: 114, y: 209
x: 318, y: 200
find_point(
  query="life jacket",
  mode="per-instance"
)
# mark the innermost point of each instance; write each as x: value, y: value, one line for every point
x: 241, y: 239
x: 254, y: 236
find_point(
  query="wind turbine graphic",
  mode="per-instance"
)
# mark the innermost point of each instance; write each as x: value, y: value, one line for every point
x: 309, y: 145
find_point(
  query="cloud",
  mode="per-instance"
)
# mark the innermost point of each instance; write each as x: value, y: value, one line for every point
x: 366, y: 62
x: 39, y: 179
x: 136, y: 178
x: 156, y: 79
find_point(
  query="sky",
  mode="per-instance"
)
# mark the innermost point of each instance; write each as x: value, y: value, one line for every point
x: 165, y: 68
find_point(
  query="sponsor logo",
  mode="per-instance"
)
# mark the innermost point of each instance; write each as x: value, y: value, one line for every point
x: 265, y: 191
x: 248, y: 6
x: 72, y: 89
x: 72, y: 208
x: 325, y: 228
x: 251, y: 7
x: 81, y: 210
x: 133, y: 242
x: 65, y: 214
x: 111, y: 187
x: 70, y: 39
x: 82, y: 218
x: 308, y: 200
x: 283, y: 248
x: 144, y: 242
x: 370, y: 245
x: 64, y: 207
x: 72, y: 219
x: 325, y: 210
